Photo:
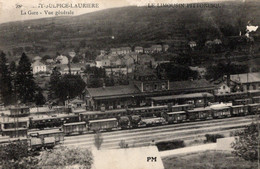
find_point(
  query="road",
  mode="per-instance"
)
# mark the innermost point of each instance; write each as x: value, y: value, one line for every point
x: 144, y: 136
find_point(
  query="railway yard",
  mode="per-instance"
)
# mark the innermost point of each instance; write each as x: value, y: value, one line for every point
x: 139, y: 126
x: 144, y: 136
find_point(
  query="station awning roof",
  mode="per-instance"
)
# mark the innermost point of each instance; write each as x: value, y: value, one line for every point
x: 182, y: 96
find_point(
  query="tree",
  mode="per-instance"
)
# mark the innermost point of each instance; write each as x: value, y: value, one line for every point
x: 12, y: 66
x: 175, y: 72
x: 53, y: 85
x: 76, y: 59
x: 24, y: 80
x: 16, y: 155
x: 246, y: 143
x: 5, y: 80
x: 98, y: 140
x: 82, y: 44
x: 39, y: 98
x: 66, y: 86
x: 218, y: 71
x: 66, y: 157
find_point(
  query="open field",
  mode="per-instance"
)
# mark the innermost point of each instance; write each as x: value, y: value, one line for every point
x: 208, y: 160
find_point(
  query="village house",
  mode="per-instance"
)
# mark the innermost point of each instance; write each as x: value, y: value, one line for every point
x: 125, y: 50
x: 146, y: 60
x: 148, y: 50
x: 156, y: 48
x: 139, y: 49
x: 75, y: 103
x: 37, y: 58
x: 222, y: 88
x: 49, y: 61
x: 102, y: 61
x: 61, y: 59
x: 192, y: 44
x: 38, y: 66
x: 217, y: 42
x: 102, y: 52
x: 115, y: 51
x: 165, y: 47
x: 75, y: 69
x: 117, y: 71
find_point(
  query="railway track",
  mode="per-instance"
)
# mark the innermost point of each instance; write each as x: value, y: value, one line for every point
x: 144, y: 136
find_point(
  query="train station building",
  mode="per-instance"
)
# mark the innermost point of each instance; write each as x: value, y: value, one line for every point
x: 140, y: 92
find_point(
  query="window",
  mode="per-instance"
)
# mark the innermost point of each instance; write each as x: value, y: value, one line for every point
x: 163, y: 86
x: 224, y: 87
x: 155, y: 87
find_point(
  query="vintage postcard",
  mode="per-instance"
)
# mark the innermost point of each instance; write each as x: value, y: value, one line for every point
x: 129, y: 84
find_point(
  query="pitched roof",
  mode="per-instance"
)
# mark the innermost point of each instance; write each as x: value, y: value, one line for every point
x: 38, y: 63
x: 112, y: 90
x: 246, y: 77
x: 178, y: 85
x: 37, y: 58
x: 138, y: 47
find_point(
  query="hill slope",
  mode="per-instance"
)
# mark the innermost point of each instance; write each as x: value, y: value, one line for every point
x: 129, y: 26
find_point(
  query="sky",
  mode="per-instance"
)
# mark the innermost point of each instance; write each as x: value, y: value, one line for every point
x: 19, y: 10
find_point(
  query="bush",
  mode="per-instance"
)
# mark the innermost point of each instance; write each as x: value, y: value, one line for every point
x: 169, y: 145
x: 246, y: 143
x: 212, y: 138
x: 64, y: 156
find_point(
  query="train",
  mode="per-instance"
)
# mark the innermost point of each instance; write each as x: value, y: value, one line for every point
x: 85, y: 121
x: 149, y: 118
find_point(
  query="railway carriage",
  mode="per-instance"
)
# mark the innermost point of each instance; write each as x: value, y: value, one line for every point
x: 242, y: 101
x: 221, y: 112
x: 103, y: 124
x: 254, y: 108
x: 74, y: 128
x: 51, y: 121
x: 134, y: 120
x: 199, y: 114
x: 57, y: 134
x: 15, y: 132
x: 149, y: 111
x: 227, y: 97
x: 256, y: 99
x: 152, y: 121
x: 18, y: 123
x: 175, y: 117
x: 239, y: 110
x: 95, y: 115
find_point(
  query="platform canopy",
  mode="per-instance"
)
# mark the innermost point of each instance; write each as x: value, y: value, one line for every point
x: 182, y: 96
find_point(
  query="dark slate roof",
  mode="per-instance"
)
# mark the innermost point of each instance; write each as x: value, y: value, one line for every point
x: 112, y: 90
x: 195, y: 84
